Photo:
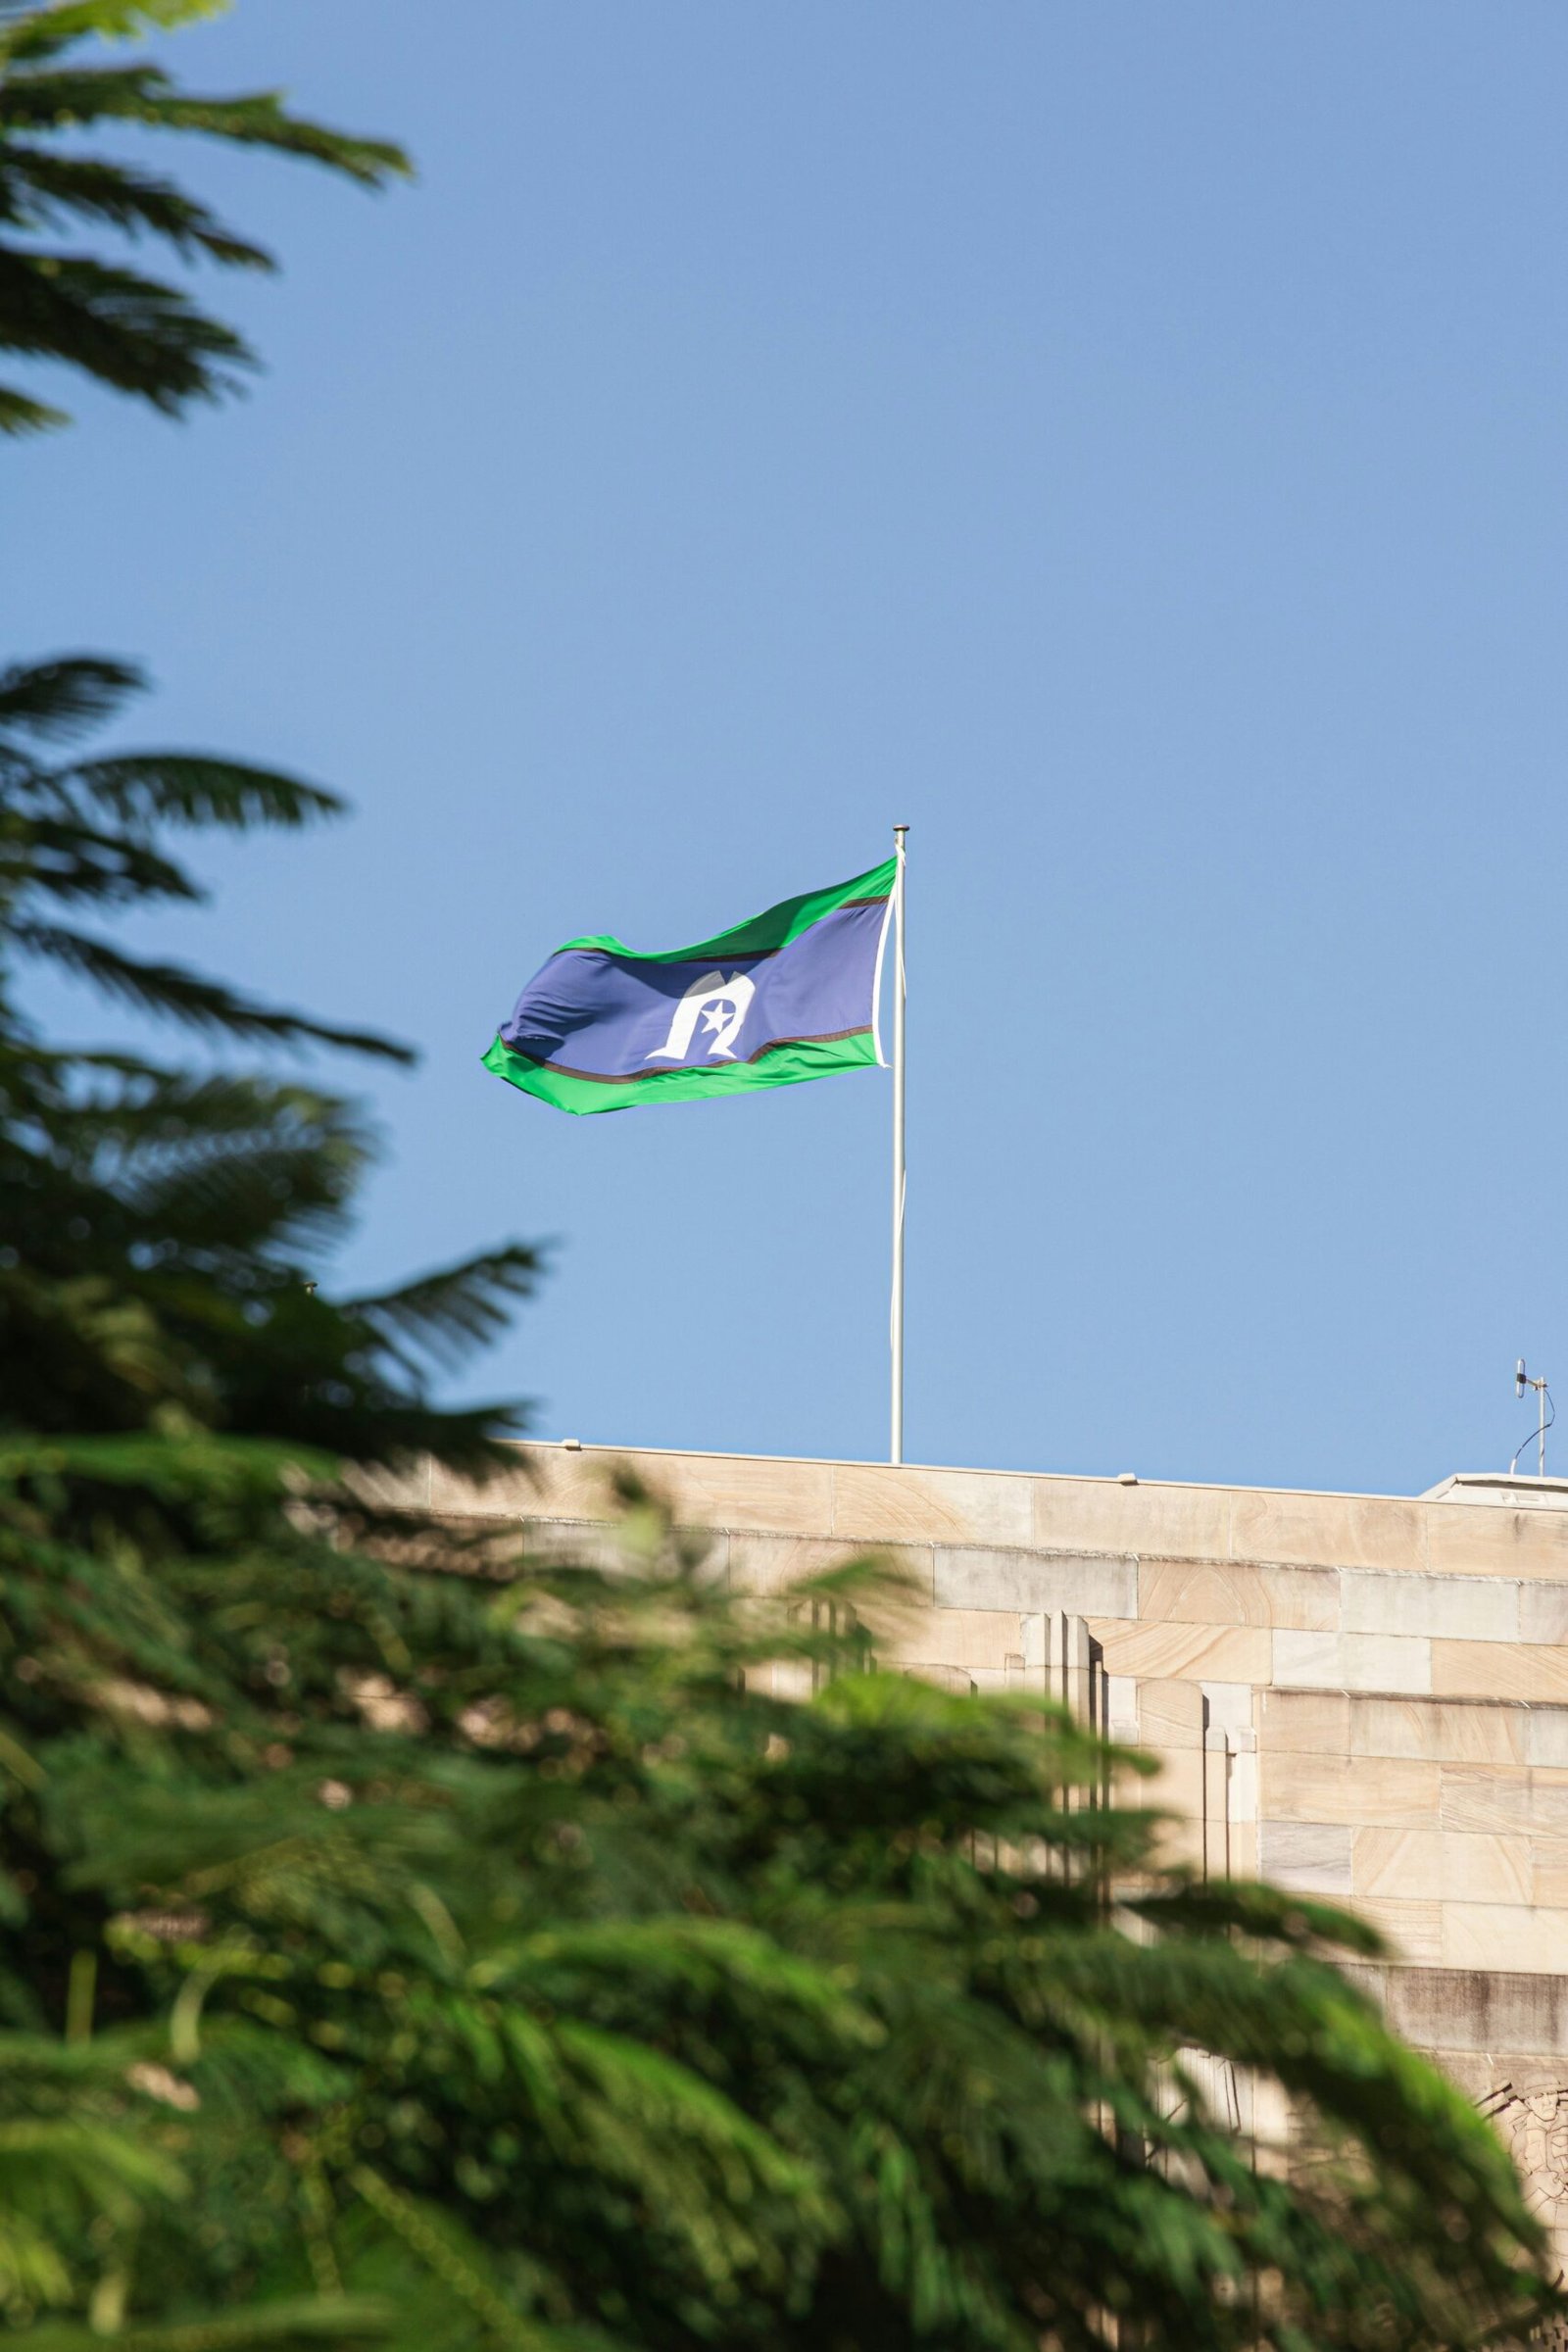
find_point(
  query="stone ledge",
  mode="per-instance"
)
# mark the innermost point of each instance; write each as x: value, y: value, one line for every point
x: 1032, y: 1512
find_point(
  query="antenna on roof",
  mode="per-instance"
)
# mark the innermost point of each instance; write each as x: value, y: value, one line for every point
x: 1522, y: 1380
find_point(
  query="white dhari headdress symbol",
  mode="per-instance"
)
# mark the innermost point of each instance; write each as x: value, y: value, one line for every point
x: 720, y: 1004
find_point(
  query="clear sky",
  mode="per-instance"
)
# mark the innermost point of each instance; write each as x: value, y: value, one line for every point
x: 1127, y: 443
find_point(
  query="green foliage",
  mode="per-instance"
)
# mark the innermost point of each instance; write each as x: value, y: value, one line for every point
x: 155, y: 1218
x: 491, y: 1947
x: 138, y: 334
x: 170, y: 1375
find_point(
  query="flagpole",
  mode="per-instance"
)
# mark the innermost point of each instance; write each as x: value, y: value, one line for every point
x: 895, y: 1321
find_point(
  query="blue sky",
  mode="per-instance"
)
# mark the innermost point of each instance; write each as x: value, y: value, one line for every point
x: 1125, y: 443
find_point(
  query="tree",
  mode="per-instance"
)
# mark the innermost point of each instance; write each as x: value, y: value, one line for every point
x: 138, y: 334
x: 154, y: 1217
x: 409, y: 1940
x: 168, y: 1374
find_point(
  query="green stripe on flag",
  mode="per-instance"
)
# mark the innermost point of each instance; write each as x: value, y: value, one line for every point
x: 764, y: 933
x: 779, y: 1066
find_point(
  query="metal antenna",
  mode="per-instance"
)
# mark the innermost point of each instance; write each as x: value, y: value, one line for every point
x: 1522, y: 1381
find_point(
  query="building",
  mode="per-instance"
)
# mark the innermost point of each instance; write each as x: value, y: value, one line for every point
x: 1362, y: 1697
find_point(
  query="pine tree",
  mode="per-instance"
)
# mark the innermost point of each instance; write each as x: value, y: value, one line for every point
x: 136, y: 333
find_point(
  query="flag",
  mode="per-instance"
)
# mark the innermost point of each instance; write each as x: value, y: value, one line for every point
x: 789, y: 996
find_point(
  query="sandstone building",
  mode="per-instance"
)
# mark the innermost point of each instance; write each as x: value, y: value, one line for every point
x: 1362, y: 1697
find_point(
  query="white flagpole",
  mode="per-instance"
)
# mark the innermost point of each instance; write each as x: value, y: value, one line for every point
x: 896, y: 1321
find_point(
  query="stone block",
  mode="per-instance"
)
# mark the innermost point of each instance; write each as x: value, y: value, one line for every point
x: 709, y: 1490
x: 889, y: 1503
x: 1096, y: 1514
x: 1548, y: 1872
x: 1448, y: 1731
x: 1202, y: 1592
x: 1170, y: 1714
x: 1388, y: 1662
x: 1311, y: 1856
x: 1398, y: 1865
x: 1543, y: 1611
x: 1211, y: 1652
x: 964, y: 1638
x: 772, y: 1563
x: 1336, y: 1531
x: 1499, y: 1935
x: 1237, y: 1592
x: 1085, y: 1584
x: 1413, y: 1930
x: 1487, y: 1800
x: 1481, y: 1539
x: 1549, y: 1803
x: 1309, y: 1661
x: 1499, y: 1669
x: 1352, y: 1661
x: 1463, y: 1608
x: 1479, y: 2010
x: 1546, y: 1736
x: 1361, y: 1789
x: 1313, y: 1722
x: 715, y: 1490
x: 1179, y: 1786
x: 1305, y: 1599
x: 1485, y: 1869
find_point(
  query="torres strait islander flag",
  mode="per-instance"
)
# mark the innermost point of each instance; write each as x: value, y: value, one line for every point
x: 790, y: 994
